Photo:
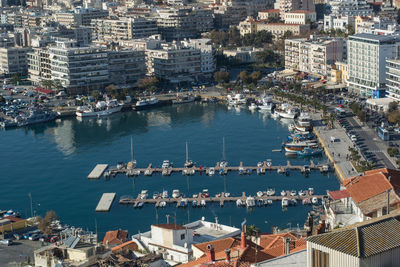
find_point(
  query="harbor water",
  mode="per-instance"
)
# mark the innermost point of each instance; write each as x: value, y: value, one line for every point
x: 51, y: 161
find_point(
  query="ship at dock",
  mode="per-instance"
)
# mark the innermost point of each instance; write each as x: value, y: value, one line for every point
x: 102, y: 108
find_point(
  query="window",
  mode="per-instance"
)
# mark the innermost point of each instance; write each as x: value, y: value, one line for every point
x: 182, y: 236
x: 319, y: 258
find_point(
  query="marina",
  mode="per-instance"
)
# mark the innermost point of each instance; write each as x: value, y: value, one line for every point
x: 261, y: 168
x: 98, y: 171
x: 105, y: 202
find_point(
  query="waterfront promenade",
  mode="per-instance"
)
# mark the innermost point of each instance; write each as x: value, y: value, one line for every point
x: 335, y: 151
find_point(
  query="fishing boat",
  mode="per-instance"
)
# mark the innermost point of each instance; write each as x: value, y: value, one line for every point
x: 285, y: 202
x: 260, y: 193
x: 188, y: 162
x: 239, y: 202
x: 183, y: 99
x: 238, y: 99
x: 203, y: 203
x: 147, y: 172
x: 194, y: 203
x: 270, y: 192
x: 293, y: 147
x: 275, y: 115
x: 308, y: 152
x: 311, y: 191
x: 183, y: 202
x: 205, y: 193
x: 267, y: 104
x: 270, y: 201
x: 102, y: 108
x: 283, y: 193
x: 176, y: 193
x: 156, y: 195
x: 253, y: 107
x: 306, y: 201
x: 163, y: 204
x: 260, y: 202
x: 314, y: 200
x: 288, y: 113
x: 293, y: 193
x: 302, y: 193
x: 300, y: 137
x: 241, y: 170
x: 304, y: 119
x: 166, y: 164
x: 146, y: 103
x: 211, y: 171
x: 164, y: 194
x: 250, y: 202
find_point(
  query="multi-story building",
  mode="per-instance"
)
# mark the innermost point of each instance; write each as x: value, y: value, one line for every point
x: 174, y: 62
x: 393, y: 79
x: 338, y: 22
x: 13, y: 60
x: 80, y: 16
x: 126, y: 67
x: 315, y: 56
x: 367, y: 55
x: 277, y: 29
x: 180, y: 23
x: 300, y: 17
x: 268, y: 14
x: 226, y: 16
x: 39, y: 67
x: 123, y: 28
x: 79, y: 69
x: 207, y: 54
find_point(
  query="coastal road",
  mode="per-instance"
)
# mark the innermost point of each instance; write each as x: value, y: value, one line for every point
x: 372, y: 143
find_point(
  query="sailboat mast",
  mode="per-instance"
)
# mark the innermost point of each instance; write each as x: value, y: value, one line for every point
x: 187, y: 152
x: 223, y: 148
x: 132, y: 148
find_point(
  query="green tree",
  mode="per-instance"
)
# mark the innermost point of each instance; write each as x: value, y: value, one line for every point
x: 394, y: 117
x: 48, y: 84
x: 221, y: 76
x: 58, y: 85
x: 95, y: 94
x: 244, y: 77
x: 252, y: 230
x: 361, y: 115
x: 392, y: 106
x: 255, y: 76
x: 149, y: 83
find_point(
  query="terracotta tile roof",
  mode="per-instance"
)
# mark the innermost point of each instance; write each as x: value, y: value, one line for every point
x: 364, y: 187
x: 219, y: 245
x: 340, y: 194
x: 115, y: 237
x: 393, y: 174
x: 301, y: 11
x: 269, y: 11
x: 270, y: 240
x: 127, y: 245
x: 170, y: 226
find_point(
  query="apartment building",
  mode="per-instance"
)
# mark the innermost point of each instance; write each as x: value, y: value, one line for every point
x: 338, y: 22
x: 300, y: 17
x: 393, y: 79
x: 180, y: 23
x: 277, y: 29
x: 315, y: 56
x: 207, y: 54
x: 80, y: 16
x: 13, y: 60
x: 39, y: 67
x: 225, y: 15
x: 123, y: 28
x: 367, y: 55
x: 268, y: 14
x: 126, y: 67
x: 174, y: 62
x: 79, y: 69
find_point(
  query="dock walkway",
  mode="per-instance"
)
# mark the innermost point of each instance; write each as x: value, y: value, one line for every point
x: 98, y: 171
x: 105, y: 202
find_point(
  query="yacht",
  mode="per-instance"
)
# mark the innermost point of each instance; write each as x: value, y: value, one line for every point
x: 267, y: 104
x: 143, y: 194
x: 293, y: 202
x: 270, y: 192
x: 314, y: 200
x: 163, y: 204
x: 146, y: 103
x: 239, y: 202
x: 203, y: 203
x: 164, y: 194
x: 283, y: 193
x: 205, y: 193
x: 194, y: 203
x: 293, y: 193
x: 304, y: 119
x: 102, y: 108
x: 211, y: 171
x: 260, y: 193
x: 285, y: 202
x: 183, y: 99
x: 260, y: 202
x: 176, y: 193
x: 183, y: 202
x: 253, y: 107
x: 238, y: 99
x: 250, y: 202
x: 166, y: 164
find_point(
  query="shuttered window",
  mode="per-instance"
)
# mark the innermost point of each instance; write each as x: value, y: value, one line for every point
x: 320, y: 258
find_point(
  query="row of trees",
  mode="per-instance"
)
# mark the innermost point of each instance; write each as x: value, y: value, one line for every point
x: 393, y: 115
x: 232, y: 38
x: 360, y: 165
x: 358, y: 110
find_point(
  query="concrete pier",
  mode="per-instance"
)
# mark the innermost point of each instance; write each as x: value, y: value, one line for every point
x: 98, y: 171
x: 105, y: 202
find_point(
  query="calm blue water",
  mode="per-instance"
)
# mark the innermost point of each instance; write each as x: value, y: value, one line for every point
x: 52, y: 162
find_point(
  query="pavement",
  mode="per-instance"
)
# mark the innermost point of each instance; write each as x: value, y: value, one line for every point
x: 336, y: 151
x: 18, y: 252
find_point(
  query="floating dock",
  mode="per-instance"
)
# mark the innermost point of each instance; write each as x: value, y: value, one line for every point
x: 105, y: 202
x: 98, y: 171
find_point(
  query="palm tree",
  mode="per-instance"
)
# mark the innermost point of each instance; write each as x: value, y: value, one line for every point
x: 252, y: 230
x: 47, y: 84
x: 332, y: 118
x: 324, y: 108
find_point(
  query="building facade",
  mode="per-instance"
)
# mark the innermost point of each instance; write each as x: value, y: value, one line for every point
x: 393, y: 79
x: 14, y: 60
x: 300, y: 17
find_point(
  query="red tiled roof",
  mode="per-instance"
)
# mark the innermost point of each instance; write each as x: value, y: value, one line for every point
x: 364, y: 187
x: 170, y: 226
x: 269, y: 11
x: 44, y: 91
x: 340, y: 194
x: 127, y: 245
x: 219, y: 245
x: 301, y: 11
x: 115, y: 237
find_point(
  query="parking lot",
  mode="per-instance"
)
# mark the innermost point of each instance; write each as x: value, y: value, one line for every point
x: 19, y: 251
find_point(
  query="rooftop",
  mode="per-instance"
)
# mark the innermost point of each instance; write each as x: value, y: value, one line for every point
x: 170, y: 226
x: 335, y: 195
x: 372, y: 37
x: 301, y: 11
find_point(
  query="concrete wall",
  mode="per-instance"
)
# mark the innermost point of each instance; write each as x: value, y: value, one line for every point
x: 335, y: 258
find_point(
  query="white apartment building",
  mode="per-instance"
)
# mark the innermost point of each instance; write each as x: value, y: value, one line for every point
x: 367, y: 55
x: 13, y: 60
x: 174, y: 62
x: 277, y: 29
x: 80, y: 16
x: 123, y: 28
x: 126, y: 66
x: 39, y: 68
x: 314, y: 56
x: 79, y: 68
x: 207, y: 54
x: 300, y: 17
x: 338, y: 22
x: 393, y: 79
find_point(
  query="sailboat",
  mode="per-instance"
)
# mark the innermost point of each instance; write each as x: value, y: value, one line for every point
x: 223, y: 163
x: 132, y: 163
x: 188, y: 163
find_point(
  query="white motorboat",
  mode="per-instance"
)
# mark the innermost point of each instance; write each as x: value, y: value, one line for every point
x: 260, y: 193
x: 102, y: 108
x: 270, y: 192
x: 238, y: 99
x: 267, y: 104
x: 283, y: 193
x: 183, y: 99
x: 285, y: 202
x: 314, y: 200
x: 203, y: 203
x: 250, y: 202
x: 156, y: 195
x: 188, y: 163
x: 163, y: 204
x: 176, y: 193
x: 253, y: 107
x: 165, y: 194
x: 147, y: 172
x: 211, y: 171
x: 140, y: 204
x: 311, y: 191
x: 270, y: 201
x: 183, y: 202
x: 304, y: 119
x: 146, y: 103
x: 239, y: 202
x: 293, y: 202
x: 143, y: 194
x: 302, y: 193
x: 227, y: 194
x: 166, y: 164
x: 293, y: 193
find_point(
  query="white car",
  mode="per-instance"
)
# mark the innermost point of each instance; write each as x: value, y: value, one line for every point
x: 353, y: 138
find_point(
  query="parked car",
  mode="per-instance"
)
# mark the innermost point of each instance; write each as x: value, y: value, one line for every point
x: 34, y: 237
x: 6, y: 242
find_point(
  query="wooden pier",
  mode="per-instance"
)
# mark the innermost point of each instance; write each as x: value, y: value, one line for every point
x: 105, y: 202
x: 219, y: 198
x: 98, y: 171
x: 261, y: 168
